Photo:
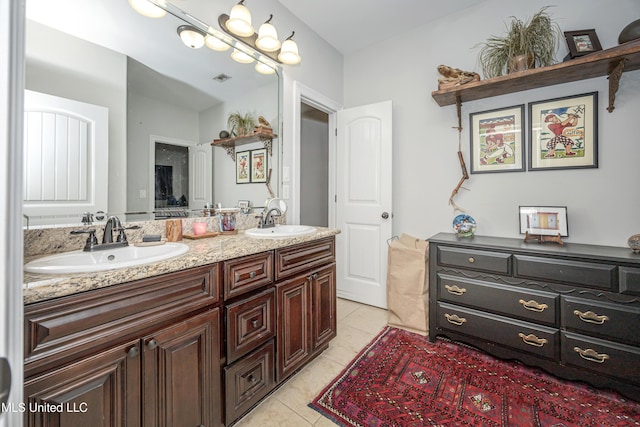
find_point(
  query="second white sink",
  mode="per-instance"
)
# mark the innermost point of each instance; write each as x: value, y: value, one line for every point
x: 280, y: 231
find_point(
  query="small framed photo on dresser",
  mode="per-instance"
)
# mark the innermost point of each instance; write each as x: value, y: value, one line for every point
x: 544, y: 220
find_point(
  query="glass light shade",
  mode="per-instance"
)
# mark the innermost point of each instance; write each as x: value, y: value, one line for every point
x: 191, y: 36
x: 289, y: 53
x: 268, y: 38
x: 147, y: 8
x: 263, y: 68
x: 239, y: 22
x: 215, y: 43
x: 243, y: 58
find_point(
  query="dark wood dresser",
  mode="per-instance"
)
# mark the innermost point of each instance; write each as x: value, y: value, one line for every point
x: 573, y: 310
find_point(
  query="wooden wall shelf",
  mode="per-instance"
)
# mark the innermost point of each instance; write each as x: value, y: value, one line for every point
x: 611, y: 62
x: 229, y: 144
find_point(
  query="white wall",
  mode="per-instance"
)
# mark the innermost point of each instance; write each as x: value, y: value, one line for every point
x: 602, y: 203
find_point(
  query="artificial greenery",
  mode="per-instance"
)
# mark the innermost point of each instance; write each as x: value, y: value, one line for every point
x: 240, y: 124
x: 538, y: 36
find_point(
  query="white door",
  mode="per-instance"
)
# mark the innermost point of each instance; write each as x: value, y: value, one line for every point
x: 200, y: 164
x: 363, y: 202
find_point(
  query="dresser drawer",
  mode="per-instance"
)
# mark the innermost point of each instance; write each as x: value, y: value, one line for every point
x: 250, y: 323
x: 601, y: 356
x: 536, y: 306
x: 630, y: 280
x: 248, y: 381
x: 602, y: 276
x: 304, y: 257
x: 600, y: 318
x: 244, y: 274
x: 524, y: 336
x: 493, y: 262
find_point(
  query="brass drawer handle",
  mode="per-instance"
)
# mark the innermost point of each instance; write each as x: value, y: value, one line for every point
x: 591, y: 317
x: 591, y: 355
x: 472, y: 259
x: 533, y: 340
x: 533, y: 305
x: 452, y: 318
x: 455, y: 290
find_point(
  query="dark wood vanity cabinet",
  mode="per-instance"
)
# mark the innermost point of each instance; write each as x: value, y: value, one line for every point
x: 573, y: 310
x: 145, y: 353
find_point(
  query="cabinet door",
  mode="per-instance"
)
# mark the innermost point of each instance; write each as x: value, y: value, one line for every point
x: 323, y: 287
x: 102, y: 390
x: 294, y: 325
x: 181, y: 373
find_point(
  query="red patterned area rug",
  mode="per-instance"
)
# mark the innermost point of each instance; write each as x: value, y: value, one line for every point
x: 401, y: 379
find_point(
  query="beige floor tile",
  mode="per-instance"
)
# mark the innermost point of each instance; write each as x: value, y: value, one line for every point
x: 324, y: 422
x: 273, y: 413
x: 344, y: 307
x: 347, y: 344
x: 367, y: 318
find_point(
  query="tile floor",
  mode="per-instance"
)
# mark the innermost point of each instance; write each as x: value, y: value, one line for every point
x: 287, y: 407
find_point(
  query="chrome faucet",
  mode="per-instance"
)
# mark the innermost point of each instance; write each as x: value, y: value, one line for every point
x: 268, y: 221
x: 113, y: 223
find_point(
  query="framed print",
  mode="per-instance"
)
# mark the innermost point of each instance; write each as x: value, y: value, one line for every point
x: 243, y: 167
x: 544, y: 220
x: 582, y: 42
x: 243, y: 204
x: 259, y: 165
x: 497, y: 142
x: 563, y: 133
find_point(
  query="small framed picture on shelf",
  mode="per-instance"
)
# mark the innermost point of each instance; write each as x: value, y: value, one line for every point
x: 259, y: 165
x: 243, y: 204
x: 497, y: 142
x: 582, y: 42
x: 544, y: 220
x: 243, y: 167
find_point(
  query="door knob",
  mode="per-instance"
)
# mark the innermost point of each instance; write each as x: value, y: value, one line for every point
x: 151, y: 345
x: 385, y: 215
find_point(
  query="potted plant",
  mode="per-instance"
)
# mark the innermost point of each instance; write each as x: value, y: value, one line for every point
x: 240, y: 124
x: 527, y: 44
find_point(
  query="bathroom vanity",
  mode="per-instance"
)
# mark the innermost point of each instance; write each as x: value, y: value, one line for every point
x: 199, y: 342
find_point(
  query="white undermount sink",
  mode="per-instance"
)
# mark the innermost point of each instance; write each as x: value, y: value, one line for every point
x: 280, y: 231
x: 106, y: 259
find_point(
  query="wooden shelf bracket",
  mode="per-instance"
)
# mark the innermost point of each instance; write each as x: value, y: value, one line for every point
x: 614, y: 83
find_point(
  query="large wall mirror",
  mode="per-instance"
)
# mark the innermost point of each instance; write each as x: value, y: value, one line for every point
x: 165, y: 102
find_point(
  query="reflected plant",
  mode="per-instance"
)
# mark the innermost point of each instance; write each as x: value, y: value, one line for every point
x: 240, y: 124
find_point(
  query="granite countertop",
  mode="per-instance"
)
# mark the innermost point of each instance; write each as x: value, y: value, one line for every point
x: 41, y: 287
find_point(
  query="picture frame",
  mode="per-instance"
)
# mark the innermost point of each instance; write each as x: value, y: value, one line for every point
x: 582, y: 42
x: 259, y: 166
x: 243, y: 204
x: 497, y: 140
x: 563, y: 133
x: 544, y: 220
x: 243, y: 167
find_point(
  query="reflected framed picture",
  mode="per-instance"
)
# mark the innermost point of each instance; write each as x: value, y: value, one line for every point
x: 259, y: 165
x: 497, y: 140
x: 544, y: 220
x: 563, y: 133
x: 582, y: 42
x: 243, y: 167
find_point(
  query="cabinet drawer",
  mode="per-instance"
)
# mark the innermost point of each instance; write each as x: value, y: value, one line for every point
x: 524, y: 336
x: 248, y: 381
x: 244, y: 274
x: 630, y: 280
x: 250, y: 323
x: 603, y: 319
x: 304, y: 257
x: 602, y: 276
x: 494, y: 262
x: 57, y: 331
x: 601, y: 356
x: 527, y: 304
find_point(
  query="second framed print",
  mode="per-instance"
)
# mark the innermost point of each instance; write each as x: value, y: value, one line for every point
x: 259, y: 165
x: 497, y: 143
x: 563, y: 133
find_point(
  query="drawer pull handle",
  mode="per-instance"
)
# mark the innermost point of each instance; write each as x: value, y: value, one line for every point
x: 591, y: 317
x: 472, y: 259
x: 533, y: 340
x: 252, y: 274
x: 152, y: 344
x: 591, y: 355
x: 455, y: 290
x: 133, y: 351
x: 533, y: 305
x: 452, y: 318
x: 251, y: 379
x: 254, y: 323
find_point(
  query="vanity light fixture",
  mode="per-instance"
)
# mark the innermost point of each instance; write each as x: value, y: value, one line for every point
x: 241, y: 57
x: 239, y: 22
x: 191, y: 36
x: 289, y: 51
x: 214, y: 43
x: 263, y: 68
x: 268, y: 37
x: 148, y: 9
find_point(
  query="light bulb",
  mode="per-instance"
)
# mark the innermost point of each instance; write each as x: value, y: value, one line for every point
x: 191, y: 36
x: 239, y: 22
x: 289, y: 52
x: 268, y: 37
x: 263, y: 68
x: 147, y: 8
x: 215, y: 43
x: 241, y: 57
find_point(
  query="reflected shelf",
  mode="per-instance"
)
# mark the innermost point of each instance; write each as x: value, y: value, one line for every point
x: 229, y: 144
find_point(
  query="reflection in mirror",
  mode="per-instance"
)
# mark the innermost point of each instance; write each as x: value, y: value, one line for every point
x: 158, y: 92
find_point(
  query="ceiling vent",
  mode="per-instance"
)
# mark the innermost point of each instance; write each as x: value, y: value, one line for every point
x: 221, y: 78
